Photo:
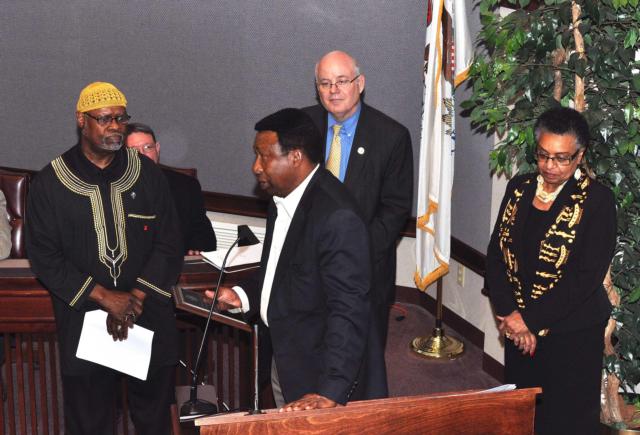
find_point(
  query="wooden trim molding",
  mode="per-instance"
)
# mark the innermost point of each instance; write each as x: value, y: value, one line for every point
x: 236, y: 204
x: 468, y: 256
x: 257, y: 207
x: 460, y: 251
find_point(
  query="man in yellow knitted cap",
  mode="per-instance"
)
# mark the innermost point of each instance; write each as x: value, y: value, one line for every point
x: 103, y: 234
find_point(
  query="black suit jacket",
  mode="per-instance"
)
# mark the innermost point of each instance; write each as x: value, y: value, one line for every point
x: 380, y: 177
x: 579, y: 299
x: 197, y: 232
x: 319, y: 308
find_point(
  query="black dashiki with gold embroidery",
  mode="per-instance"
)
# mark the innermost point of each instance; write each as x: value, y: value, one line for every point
x: 560, y: 289
x: 115, y: 226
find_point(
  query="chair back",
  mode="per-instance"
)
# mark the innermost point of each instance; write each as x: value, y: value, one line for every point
x: 15, y: 186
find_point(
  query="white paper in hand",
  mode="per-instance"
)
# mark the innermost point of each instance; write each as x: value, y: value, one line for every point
x: 131, y: 356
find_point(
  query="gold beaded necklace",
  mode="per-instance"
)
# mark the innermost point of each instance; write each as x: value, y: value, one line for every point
x: 545, y: 196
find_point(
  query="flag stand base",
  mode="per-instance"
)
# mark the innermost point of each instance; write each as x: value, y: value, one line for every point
x: 438, y: 346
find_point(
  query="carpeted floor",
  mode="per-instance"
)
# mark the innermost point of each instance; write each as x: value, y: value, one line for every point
x: 410, y: 374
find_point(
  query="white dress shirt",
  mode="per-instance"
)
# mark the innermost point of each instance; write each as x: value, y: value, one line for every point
x: 286, y: 209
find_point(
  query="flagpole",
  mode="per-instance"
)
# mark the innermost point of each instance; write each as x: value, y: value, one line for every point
x: 448, y: 54
x: 438, y: 345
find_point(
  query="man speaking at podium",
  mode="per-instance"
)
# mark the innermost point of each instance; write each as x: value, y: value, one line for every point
x: 312, y: 291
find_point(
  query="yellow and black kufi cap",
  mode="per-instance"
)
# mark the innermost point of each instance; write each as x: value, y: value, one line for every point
x: 98, y: 95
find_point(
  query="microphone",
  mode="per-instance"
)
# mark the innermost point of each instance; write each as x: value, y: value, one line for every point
x: 194, y: 407
x: 246, y: 236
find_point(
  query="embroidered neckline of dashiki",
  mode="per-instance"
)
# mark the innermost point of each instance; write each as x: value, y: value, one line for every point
x: 111, y: 255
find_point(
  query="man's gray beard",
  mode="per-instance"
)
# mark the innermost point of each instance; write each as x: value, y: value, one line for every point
x: 112, y: 143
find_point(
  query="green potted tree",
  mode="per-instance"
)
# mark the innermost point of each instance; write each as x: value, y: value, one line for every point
x: 584, y: 54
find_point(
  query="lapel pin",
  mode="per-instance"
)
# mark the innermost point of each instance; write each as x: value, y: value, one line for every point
x: 361, y: 150
x: 133, y: 195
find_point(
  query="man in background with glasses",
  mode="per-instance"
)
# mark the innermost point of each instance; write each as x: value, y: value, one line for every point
x: 197, y: 232
x: 371, y: 154
x: 102, y: 233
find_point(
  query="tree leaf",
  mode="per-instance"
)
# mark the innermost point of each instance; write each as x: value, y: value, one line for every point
x: 631, y: 38
x: 634, y: 296
x: 628, y: 112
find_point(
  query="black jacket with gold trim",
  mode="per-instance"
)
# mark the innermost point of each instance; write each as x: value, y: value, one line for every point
x: 578, y: 299
x: 115, y: 226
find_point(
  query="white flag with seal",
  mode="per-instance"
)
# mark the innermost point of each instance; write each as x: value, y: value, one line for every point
x: 448, y: 56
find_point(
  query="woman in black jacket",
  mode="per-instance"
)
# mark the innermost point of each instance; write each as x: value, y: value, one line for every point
x: 549, y: 253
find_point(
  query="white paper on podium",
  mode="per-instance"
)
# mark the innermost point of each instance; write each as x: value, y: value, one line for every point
x: 130, y: 356
x: 501, y: 388
x: 239, y: 256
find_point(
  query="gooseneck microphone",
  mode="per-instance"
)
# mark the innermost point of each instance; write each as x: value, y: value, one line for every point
x: 194, y: 407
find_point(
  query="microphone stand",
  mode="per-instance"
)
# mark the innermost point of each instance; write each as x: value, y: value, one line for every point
x: 256, y: 394
x: 195, y: 407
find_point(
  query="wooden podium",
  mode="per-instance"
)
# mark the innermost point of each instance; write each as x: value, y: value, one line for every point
x: 465, y: 412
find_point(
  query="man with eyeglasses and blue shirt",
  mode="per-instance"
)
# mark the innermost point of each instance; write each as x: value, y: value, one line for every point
x: 371, y: 154
x: 102, y: 233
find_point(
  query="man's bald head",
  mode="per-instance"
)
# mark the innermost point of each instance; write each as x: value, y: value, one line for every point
x: 339, y: 56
